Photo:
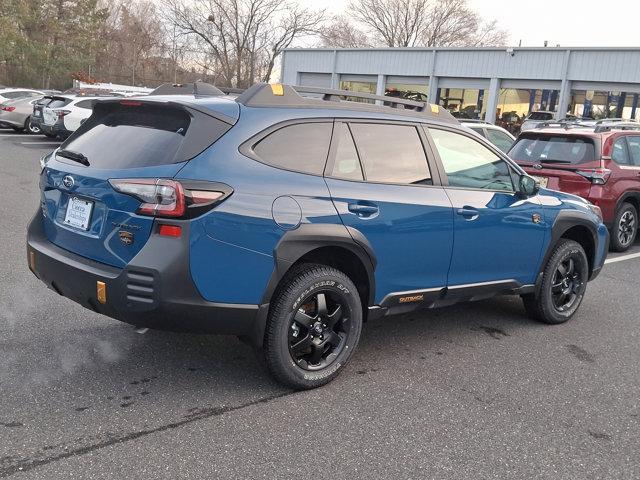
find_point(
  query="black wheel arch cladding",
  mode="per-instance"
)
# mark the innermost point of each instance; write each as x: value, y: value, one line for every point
x: 296, y: 244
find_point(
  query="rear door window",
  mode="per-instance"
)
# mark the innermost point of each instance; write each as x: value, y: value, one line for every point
x: 619, y: 153
x: 569, y: 149
x: 634, y: 149
x: 391, y: 153
x: 302, y: 147
x: 347, y: 164
x: 118, y: 136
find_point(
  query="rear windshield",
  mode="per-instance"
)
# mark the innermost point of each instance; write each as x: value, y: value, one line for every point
x: 553, y: 149
x: 143, y: 135
x: 59, y: 102
x: 541, y: 116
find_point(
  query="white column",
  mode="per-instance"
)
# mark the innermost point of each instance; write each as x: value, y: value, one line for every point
x: 492, y: 100
x: 564, y: 98
x: 433, y: 89
x: 380, y: 87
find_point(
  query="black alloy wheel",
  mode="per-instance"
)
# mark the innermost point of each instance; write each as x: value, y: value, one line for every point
x: 564, y: 282
x: 318, y: 330
x: 625, y: 228
x: 568, y: 284
x: 313, y: 327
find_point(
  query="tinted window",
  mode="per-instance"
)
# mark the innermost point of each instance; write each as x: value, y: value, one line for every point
x: 469, y: 164
x: 479, y: 130
x: 347, y: 164
x: 553, y: 149
x: 391, y: 153
x: 12, y: 95
x: 140, y: 136
x: 303, y: 147
x: 499, y: 139
x: 541, y: 116
x: 88, y: 104
x: 634, y: 150
x: 619, y: 152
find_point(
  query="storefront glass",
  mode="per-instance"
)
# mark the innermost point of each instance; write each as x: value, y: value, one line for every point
x: 415, y: 92
x: 599, y: 104
x: 361, y: 87
x: 463, y: 102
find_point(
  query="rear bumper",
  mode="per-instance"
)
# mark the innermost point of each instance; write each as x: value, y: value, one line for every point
x: 155, y: 290
x: 55, y: 129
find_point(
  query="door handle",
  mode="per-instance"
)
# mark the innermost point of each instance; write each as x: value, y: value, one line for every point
x: 363, y: 210
x: 468, y: 213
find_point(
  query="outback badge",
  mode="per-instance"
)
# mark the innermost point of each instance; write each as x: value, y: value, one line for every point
x: 125, y: 237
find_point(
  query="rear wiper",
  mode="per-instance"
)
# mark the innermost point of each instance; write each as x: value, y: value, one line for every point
x: 75, y: 156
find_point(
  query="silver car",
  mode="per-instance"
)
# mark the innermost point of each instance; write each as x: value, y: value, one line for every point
x: 16, y: 114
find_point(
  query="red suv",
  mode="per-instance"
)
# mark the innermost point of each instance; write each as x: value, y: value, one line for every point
x: 599, y: 161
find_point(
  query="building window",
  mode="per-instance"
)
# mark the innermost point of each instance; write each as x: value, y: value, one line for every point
x: 463, y: 102
x: 419, y: 93
x: 360, y: 87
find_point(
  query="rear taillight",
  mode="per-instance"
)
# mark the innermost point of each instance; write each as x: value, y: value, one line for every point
x: 597, y: 176
x: 62, y: 113
x: 8, y: 109
x: 170, y: 198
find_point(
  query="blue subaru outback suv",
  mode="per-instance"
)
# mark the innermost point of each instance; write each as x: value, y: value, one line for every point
x: 288, y: 216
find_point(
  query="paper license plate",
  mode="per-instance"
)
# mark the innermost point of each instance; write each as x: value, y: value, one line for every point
x: 78, y: 213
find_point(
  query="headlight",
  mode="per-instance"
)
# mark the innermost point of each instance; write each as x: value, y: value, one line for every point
x: 596, y: 210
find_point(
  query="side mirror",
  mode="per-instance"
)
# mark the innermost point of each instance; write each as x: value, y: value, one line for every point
x: 528, y: 186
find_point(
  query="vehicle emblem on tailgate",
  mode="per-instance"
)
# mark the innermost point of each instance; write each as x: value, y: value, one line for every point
x: 125, y: 237
x: 68, y: 181
x: 537, y: 166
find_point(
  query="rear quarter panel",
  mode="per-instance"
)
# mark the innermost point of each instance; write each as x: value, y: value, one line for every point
x: 232, y: 247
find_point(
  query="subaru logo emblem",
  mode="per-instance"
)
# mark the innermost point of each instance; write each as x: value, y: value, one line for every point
x: 537, y: 166
x: 68, y: 181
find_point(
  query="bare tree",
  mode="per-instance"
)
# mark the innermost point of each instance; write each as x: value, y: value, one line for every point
x: 244, y: 37
x: 451, y: 23
x: 428, y: 23
x: 395, y: 23
x: 342, y: 33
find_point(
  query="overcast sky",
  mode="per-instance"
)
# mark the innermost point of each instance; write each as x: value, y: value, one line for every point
x: 570, y: 23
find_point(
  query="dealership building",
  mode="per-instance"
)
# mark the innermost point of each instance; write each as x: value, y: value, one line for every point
x: 488, y: 83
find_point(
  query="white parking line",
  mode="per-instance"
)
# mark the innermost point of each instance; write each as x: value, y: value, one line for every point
x: 13, y: 135
x: 622, y: 258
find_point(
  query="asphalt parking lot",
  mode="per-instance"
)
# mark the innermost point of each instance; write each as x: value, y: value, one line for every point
x: 472, y: 391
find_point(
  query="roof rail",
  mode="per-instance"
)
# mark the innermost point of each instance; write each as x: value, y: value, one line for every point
x: 281, y: 95
x: 473, y: 120
x: 198, y: 89
x: 617, y: 126
x: 566, y: 124
x: 613, y: 120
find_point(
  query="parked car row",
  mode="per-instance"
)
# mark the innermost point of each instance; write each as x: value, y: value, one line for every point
x: 54, y: 114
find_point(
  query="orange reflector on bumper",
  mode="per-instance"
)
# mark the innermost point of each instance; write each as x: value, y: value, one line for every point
x: 32, y: 261
x: 101, y: 292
